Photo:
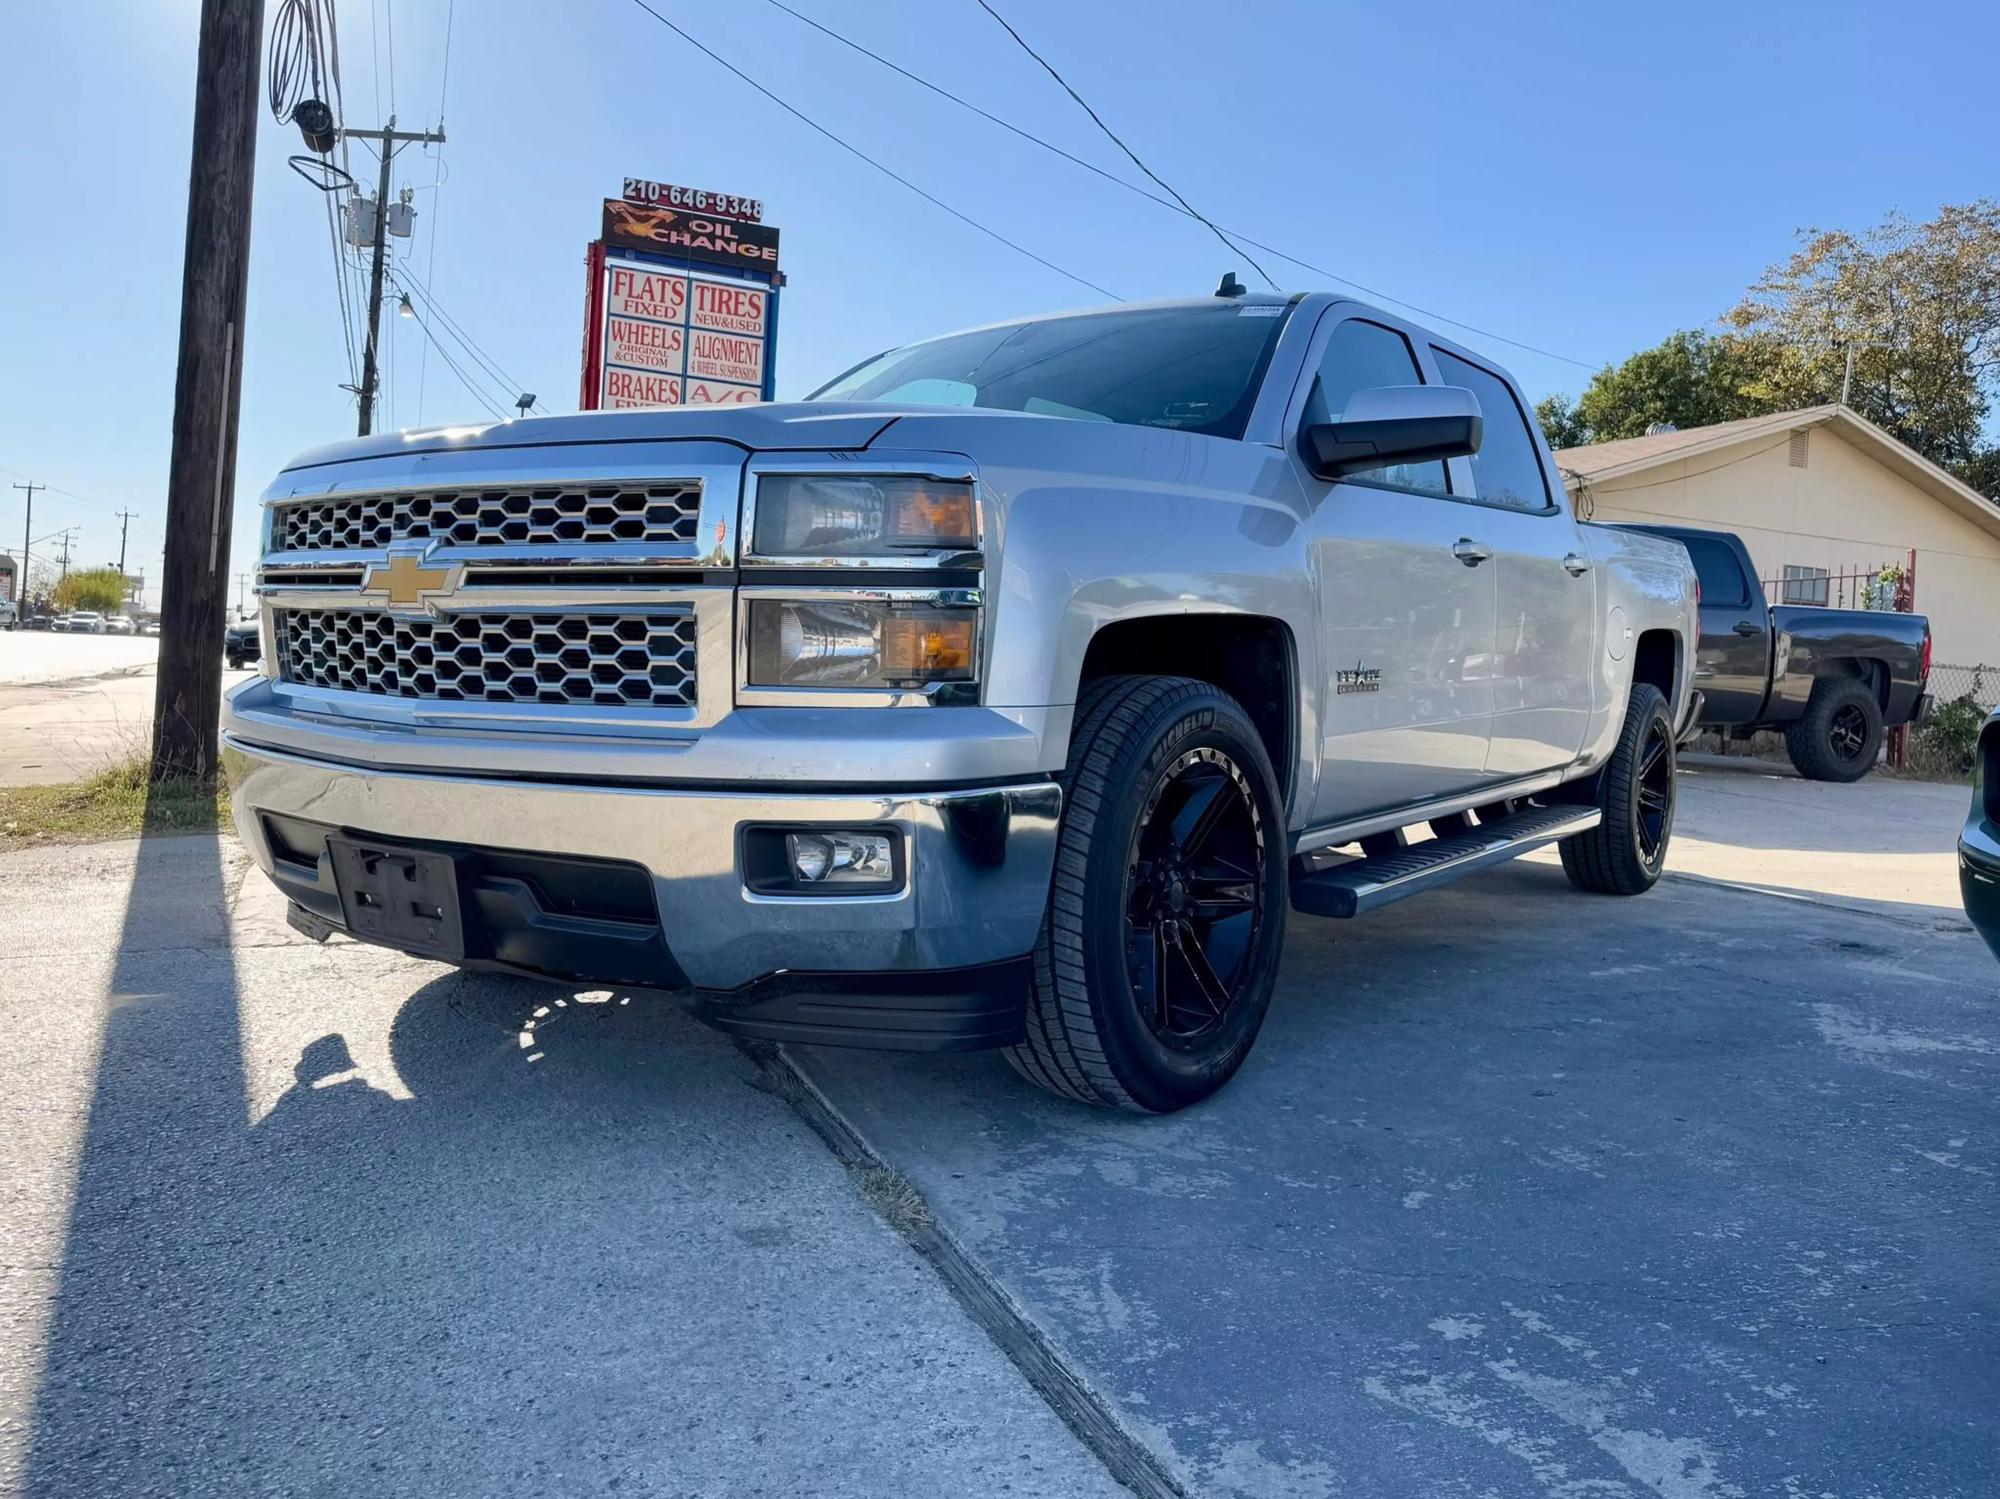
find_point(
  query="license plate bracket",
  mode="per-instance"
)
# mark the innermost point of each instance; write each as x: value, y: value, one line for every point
x: 400, y: 897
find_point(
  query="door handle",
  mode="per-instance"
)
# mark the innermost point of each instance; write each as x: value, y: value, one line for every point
x: 1745, y: 627
x: 1576, y: 564
x: 1470, y: 552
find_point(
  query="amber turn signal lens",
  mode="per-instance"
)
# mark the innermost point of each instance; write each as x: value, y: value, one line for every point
x: 941, y: 517
x: 930, y: 648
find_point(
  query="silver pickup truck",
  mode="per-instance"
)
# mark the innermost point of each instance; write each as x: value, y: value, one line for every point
x: 1008, y: 693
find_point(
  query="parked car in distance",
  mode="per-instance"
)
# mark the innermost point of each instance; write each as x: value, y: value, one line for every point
x: 242, y: 644
x: 1833, y: 680
x: 1007, y: 693
x: 118, y: 624
x: 1979, y: 842
x: 9, y: 616
x: 149, y: 627
x: 80, y: 622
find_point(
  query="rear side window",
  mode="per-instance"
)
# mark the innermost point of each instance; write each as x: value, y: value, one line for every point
x: 1506, y: 470
x: 1716, y: 566
x: 1363, y: 356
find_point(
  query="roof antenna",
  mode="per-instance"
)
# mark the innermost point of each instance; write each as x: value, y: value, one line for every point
x: 1230, y: 287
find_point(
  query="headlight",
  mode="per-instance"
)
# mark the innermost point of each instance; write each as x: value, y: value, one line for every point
x: 810, y: 515
x: 821, y: 643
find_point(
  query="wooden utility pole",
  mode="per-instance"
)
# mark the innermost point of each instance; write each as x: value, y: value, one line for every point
x: 124, y: 526
x: 201, y: 474
x: 389, y: 139
x: 27, y: 530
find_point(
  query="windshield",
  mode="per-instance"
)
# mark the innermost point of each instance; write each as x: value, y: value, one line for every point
x: 1195, y: 368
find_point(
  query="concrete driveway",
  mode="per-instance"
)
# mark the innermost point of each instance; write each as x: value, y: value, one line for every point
x: 288, y: 1220
x: 1523, y: 1192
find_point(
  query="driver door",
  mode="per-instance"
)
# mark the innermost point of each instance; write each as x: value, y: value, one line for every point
x: 1406, y: 603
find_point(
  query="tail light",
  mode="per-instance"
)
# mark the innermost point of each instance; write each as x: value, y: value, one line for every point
x: 1924, y: 658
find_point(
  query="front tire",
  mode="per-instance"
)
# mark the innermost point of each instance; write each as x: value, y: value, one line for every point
x: 1625, y: 852
x: 1159, y: 949
x: 1840, y: 734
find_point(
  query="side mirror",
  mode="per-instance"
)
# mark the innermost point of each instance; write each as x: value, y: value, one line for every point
x: 1393, y: 424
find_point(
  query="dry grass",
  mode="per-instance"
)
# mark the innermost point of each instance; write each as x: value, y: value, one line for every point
x: 117, y: 802
x: 890, y: 1193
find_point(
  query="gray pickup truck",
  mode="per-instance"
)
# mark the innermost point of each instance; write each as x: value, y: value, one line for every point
x: 1831, y: 679
x: 1010, y: 692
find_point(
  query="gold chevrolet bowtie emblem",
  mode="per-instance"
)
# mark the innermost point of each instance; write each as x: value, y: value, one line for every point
x: 405, y: 580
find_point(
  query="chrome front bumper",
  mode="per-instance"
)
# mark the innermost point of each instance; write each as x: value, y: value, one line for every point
x: 978, y: 863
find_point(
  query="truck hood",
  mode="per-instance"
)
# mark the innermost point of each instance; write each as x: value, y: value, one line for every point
x: 776, y: 427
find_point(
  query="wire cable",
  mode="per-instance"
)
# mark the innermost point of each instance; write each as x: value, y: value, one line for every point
x: 452, y: 326
x: 1098, y: 120
x: 389, y: 31
x: 437, y: 196
x: 1168, y: 203
x: 452, y: 365
x: 854, y: 150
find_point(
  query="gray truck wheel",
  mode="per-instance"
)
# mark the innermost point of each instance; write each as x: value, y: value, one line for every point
x: 1159, y: 950
x: 1840, y: 734
x: 1624, y: 853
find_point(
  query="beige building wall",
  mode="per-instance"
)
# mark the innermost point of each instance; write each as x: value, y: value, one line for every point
x: 1843, y: 511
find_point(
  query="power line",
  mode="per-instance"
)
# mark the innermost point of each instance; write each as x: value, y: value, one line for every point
x: 1168, y: 203
x: 437, y: 196
x: 1098, y: 121
x: 854, y: 150
x: 451, y: 326
x: 389, y: 32
x: 452, y: 365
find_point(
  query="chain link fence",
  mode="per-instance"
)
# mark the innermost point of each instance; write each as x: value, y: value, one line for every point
x: 1962, y: 696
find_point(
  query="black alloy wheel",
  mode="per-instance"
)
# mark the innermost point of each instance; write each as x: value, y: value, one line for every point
x: 1848, y: 733
x: 1625, y: 853
x: 1194, y: 896
x: 1159, y: 953
x: 1654, y: 803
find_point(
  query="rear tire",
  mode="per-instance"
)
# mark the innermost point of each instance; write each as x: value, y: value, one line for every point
x: 1840, y: 734
x: 1625, y: 852
x: 1166, y: 915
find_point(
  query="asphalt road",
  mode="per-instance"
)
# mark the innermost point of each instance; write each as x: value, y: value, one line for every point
x: 1527, y: 1192
x: 1523, y: 1192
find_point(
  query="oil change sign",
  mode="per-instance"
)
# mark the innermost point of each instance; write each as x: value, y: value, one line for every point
x: 680, y: 338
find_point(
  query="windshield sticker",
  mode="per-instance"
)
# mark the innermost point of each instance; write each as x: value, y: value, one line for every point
x: 1260, y: 309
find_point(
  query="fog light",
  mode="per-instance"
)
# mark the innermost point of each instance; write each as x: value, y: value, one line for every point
x: 840, y: 858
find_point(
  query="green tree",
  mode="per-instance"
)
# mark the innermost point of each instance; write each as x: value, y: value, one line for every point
x: 1919, y: 306
x: 101, y: 589
x: 1983, y: 473
x: 1690, y: 379
x: 1560, y: 422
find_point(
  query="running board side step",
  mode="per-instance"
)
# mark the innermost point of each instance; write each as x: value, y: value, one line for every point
x: 1357, y: 886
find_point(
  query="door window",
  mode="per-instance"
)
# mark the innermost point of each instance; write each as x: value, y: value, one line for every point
x: 1363, y: 356
x: 1506, y: 470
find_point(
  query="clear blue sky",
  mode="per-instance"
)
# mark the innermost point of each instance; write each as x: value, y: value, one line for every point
x: 1579, y: 176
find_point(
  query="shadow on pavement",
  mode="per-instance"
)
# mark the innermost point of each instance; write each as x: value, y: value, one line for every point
x: 584, y: 1255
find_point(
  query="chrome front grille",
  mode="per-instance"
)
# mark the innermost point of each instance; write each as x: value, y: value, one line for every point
x: 549, y: 656
x: 497, y: 516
